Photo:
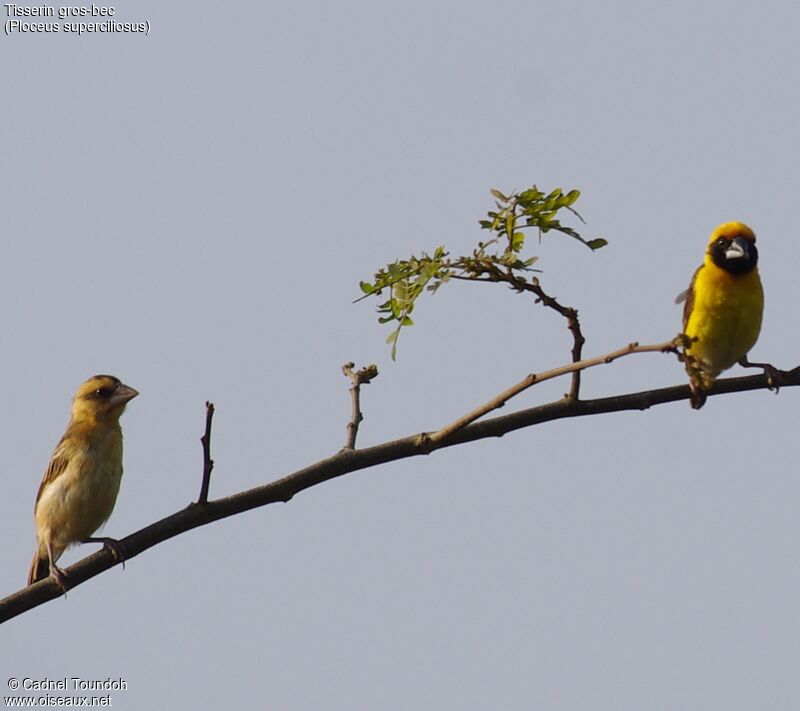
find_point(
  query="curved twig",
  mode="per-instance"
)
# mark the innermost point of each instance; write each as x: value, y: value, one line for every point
x: 534, y: 378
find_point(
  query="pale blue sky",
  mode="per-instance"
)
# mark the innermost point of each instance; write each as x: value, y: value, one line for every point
x: 193, y: 210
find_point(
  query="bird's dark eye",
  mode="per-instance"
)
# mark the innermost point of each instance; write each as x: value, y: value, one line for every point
x: 721, y: 242
x: 103, y: 393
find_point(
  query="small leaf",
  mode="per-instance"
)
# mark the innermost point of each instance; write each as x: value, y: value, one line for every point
x: 552, y: 199
x: 400, y: 290
x: 496, y: 193
x: 511, y: 223
x: 597, y: 243
x: 530, y: 195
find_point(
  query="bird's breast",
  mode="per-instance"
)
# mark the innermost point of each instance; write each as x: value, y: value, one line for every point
x: 725, y: 318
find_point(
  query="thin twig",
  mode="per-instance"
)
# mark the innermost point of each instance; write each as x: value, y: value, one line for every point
x: 534, y: 378
x: 573, y: 324
x: 347, y: 461
x: 357, y: 379
x: 208, y: 462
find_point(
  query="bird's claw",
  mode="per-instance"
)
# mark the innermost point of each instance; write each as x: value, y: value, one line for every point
x: 111, y: 544
x: 60, y: 577
x: 774, y: 377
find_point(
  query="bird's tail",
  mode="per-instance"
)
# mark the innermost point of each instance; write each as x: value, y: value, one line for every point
x: 40, y: 567
x: 698, y: 396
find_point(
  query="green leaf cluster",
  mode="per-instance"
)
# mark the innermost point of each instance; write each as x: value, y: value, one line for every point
x: 405, y: 280
x: 498, y: 259
x: 533, y: 208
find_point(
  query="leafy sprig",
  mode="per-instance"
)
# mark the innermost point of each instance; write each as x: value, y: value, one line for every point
x: 498, y: 259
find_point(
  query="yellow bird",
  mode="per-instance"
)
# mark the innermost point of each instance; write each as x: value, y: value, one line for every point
x: 81, y: 483
x: 724, y: 306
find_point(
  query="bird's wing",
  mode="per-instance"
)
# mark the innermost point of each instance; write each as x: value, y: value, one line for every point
x: 55, y: 467
x: 687, y: 296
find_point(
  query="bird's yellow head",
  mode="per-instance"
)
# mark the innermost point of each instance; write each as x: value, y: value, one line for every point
x: 101, y: 397
x: 732, y: 247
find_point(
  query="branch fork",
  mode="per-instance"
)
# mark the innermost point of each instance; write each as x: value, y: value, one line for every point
x: 430, y: 440
x: 357, y: 378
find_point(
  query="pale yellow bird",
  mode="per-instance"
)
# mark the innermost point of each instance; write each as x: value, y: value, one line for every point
x: 81, y: 483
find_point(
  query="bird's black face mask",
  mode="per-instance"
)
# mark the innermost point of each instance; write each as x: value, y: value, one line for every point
x: 736, y: 255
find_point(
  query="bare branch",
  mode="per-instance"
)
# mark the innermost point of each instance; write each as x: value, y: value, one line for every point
x: 573, y: 325
x: 347, y: 461
x: 534, y: 378
x: 208, y: 462
x: 357, y: 379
